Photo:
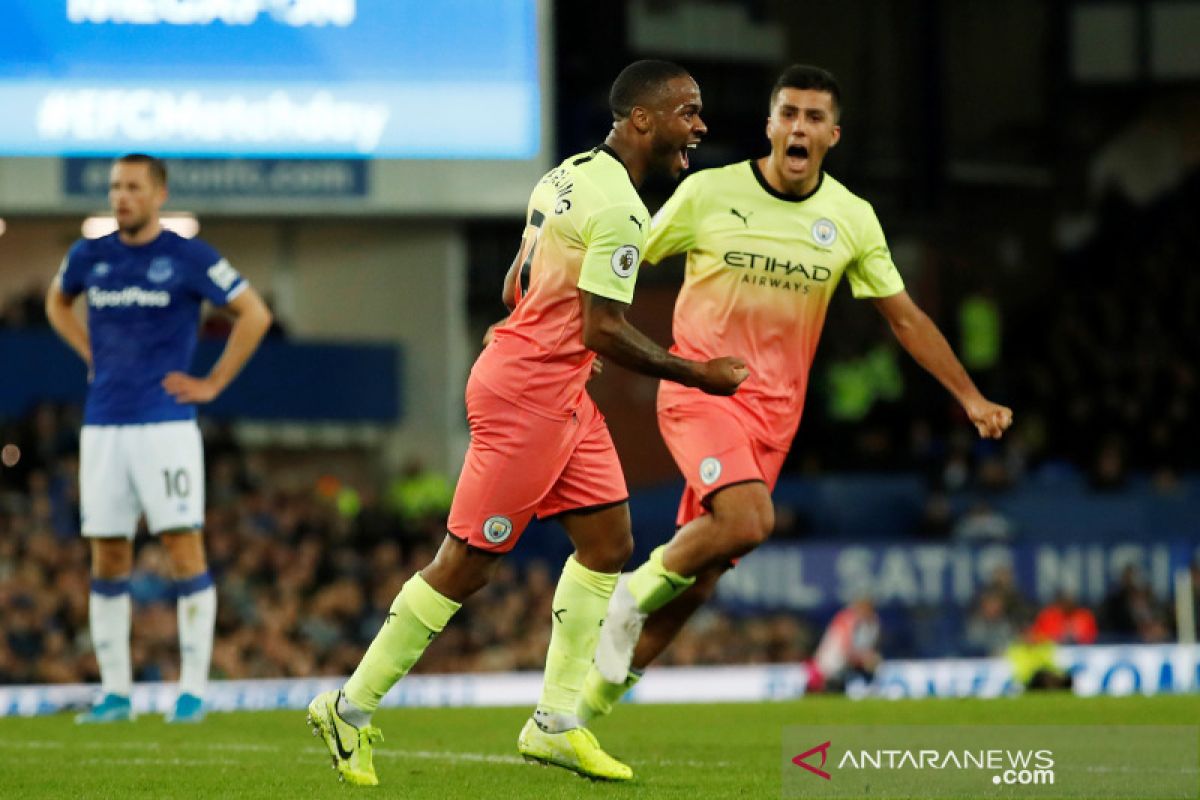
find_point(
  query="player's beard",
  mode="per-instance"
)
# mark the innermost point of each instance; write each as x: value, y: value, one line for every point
x: 132, y: 229
x: 663, y: 158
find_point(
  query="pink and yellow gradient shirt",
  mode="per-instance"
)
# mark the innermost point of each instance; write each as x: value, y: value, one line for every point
x: 761, y: 270
x: 585, y: 230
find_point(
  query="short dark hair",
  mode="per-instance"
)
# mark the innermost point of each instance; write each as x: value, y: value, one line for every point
x: 804, y: 76
x: 157, y: 167
x: 637, y: 84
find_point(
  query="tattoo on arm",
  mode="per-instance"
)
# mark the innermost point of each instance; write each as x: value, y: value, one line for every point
x: 622, y: 343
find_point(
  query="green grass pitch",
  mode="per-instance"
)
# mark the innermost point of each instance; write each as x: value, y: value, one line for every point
x: 695, y: 752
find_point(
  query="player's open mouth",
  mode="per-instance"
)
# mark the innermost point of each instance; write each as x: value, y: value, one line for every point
x: 683, y: 153
x: 796, y: 154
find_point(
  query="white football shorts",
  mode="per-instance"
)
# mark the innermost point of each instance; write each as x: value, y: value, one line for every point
x: 155, y: 469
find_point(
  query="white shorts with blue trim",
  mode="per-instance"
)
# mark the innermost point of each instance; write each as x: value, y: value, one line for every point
x: 156, y: 469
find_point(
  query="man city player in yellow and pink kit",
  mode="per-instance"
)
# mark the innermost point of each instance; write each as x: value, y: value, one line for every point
x: 539, y: 446
x: 767, y: 241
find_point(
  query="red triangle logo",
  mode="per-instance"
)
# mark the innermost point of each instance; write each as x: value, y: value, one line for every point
x: 823, y: 749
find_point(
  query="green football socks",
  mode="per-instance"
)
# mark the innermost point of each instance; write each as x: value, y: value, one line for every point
x: 599, y: 696
x: 418, y: 615
x: 653, y: 585
x: 580, y: 603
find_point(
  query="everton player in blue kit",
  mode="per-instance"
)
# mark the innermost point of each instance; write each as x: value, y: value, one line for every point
x: 140, y: 449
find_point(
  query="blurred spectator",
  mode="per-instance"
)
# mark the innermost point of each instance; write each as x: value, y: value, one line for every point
x: 1034, y: 664
x: 1108, y: 471
x: 990, y: 632
x: 420, y: 493
x: 980, y: 331
x: 849, y: 648
x: 937, y: 517
x: 1065, y: 622
x: 1003, y: 585
x: 26, y: 310
x: 1130, y: 611
x: 983, y: 524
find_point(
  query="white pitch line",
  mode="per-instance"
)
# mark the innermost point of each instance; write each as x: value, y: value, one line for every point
x: 493, y: 758
x: 424, y: 755
x: 428, y: 755
x: 163, y: 762
x: 432, y: 755
x: 1135, y: 769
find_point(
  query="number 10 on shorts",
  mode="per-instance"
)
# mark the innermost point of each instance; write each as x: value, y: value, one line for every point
x: 178, y: 483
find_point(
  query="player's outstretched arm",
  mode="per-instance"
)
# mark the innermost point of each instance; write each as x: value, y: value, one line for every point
x: 925, y: 343
x: 62, y: 318
x: 253, y: 318
x: 606, y: 331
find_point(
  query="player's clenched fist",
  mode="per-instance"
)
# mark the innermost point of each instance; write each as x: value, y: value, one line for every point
x: 722, y: 375
x: 990, y: 419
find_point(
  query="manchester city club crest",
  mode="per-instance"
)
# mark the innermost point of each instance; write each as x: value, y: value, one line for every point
x: 824, y: 232
x: 710, y: 470
x: 160, y: 270
x: 497, y: 529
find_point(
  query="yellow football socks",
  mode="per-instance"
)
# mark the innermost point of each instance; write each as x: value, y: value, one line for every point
x: 580, y: 603
x: 653, y: 585
x: 418, y: 614
x: 599, y: 696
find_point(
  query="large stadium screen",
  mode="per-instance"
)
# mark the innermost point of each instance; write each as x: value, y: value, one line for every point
x: 393, y: 79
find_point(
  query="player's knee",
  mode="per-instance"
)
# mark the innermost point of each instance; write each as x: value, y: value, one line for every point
x: 609, y: 554
x: 459, y: 571
x: 746, y: 528
x: 112, y: 558
x: 186, y: 553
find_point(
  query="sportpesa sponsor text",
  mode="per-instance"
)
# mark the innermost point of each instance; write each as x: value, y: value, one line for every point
x: 127, y: 297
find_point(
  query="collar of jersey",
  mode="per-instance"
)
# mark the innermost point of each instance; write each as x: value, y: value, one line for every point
x: 604, y: 148
x: 771, y: 190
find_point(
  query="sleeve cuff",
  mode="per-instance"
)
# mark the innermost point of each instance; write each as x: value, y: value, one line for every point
x: 606, y: 292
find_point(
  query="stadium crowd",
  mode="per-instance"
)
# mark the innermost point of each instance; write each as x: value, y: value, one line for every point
x: 305, y: 576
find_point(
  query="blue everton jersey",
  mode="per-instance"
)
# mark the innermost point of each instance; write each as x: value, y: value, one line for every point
x: 143, y: 307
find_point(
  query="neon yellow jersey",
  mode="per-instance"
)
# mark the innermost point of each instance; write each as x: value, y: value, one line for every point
x: 761, y: 270
x: 586, y: 230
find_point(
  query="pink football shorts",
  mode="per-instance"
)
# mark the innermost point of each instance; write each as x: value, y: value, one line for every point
x: 523, y: 463
x: 713, y: 450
